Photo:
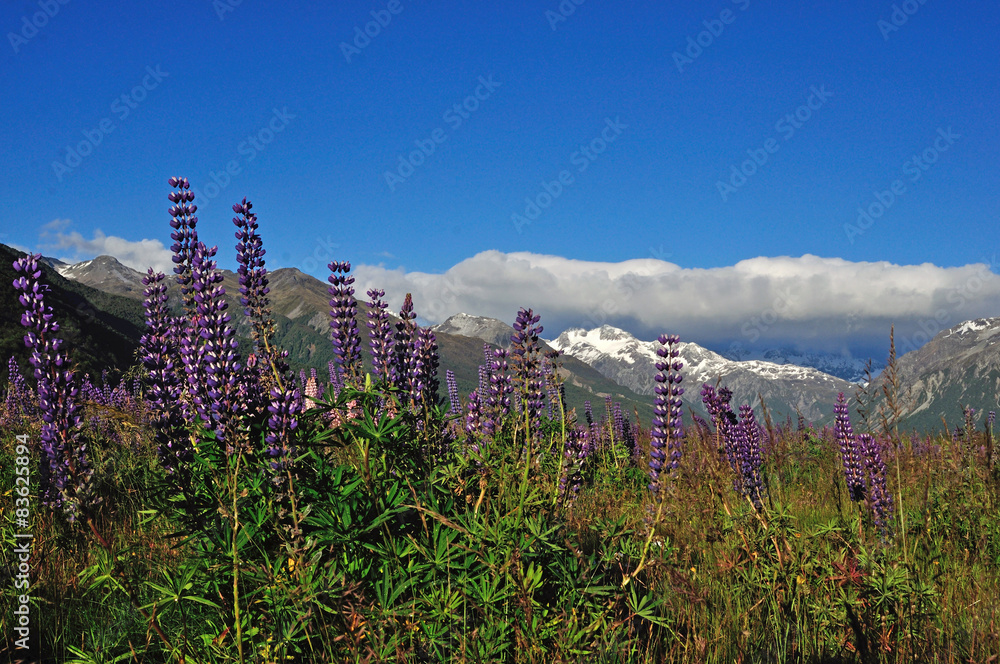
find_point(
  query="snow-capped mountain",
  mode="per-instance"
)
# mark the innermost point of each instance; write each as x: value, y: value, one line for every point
x: 959, y: 367
x: 786, y: 388
x: 842, y: 366
x: 105, y: 273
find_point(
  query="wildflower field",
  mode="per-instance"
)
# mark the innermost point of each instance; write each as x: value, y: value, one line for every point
x: 208, y: 507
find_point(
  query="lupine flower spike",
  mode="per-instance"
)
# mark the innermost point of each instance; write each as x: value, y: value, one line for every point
x: 159, y: 353
x: 879, y: 498
x: 344, y: 327
x: 849, y: 451
x: 665, y: 436
x: 253, y: 276
x: 380, y: 334
x: 208, y: 351
x: 185, y: 236
x: 66, y: 475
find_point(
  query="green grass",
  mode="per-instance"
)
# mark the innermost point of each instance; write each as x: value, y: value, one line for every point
x: 390, y: 554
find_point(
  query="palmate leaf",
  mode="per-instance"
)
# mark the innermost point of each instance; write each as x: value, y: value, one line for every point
x: 176, y: 590
x: 645, y: 607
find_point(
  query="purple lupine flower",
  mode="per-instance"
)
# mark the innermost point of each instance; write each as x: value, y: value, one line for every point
x: 405, y: 349
x: 483, y: 386
x: 208, y: 351
x: 89, y: 391
x: 285, y: 409
x: 526, y: 359
x: 455, y: 405
x: 474, y: 416
x: 588, y: 413
x: 879, y: 498
x: 501, y: 388
x: 184, y: 235
x: 849, y: 451
x: 618, y: 423
x: 484, y: 419
x: 255, y: 381
x: 991, y: 417
x: 66, y: 476
x: 727, y: 426
x: 380, y: 335
x: 336, y: 377
x: 427, y: 382
x: 750, y: 457
x: 159, y: 354
x: 19, y: 402
x: 717, y: 403
x: 666, y: 433
x: 550, y: 390
x: 343, y: 323
x: 575, y: 453
x: 253, y: 277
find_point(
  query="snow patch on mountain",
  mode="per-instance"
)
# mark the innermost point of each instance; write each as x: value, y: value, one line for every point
x: 631, y: 362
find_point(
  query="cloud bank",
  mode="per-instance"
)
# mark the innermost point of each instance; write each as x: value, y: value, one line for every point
x: 808, y: 302
x: 72, y: 247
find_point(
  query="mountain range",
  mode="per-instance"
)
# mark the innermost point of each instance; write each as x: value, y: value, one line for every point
x: 98, y: 304
x: 957, y: 368
x: 787, y: 389
x: 300, y: 307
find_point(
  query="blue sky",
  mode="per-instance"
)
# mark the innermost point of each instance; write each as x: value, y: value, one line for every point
x: 627, y: 124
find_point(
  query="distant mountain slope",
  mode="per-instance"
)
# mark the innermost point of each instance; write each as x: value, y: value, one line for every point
x: 851, y: 369
x: 100, y: 330
x: 958, y: 367
x: 490, y: 330
x: 787, y: 389
x: 307, y: 346
x: 300, y: 304
x: 107, y: 274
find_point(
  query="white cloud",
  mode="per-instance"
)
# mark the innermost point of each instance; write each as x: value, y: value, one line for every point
x: 809, y: 301
x: 138, y: 255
